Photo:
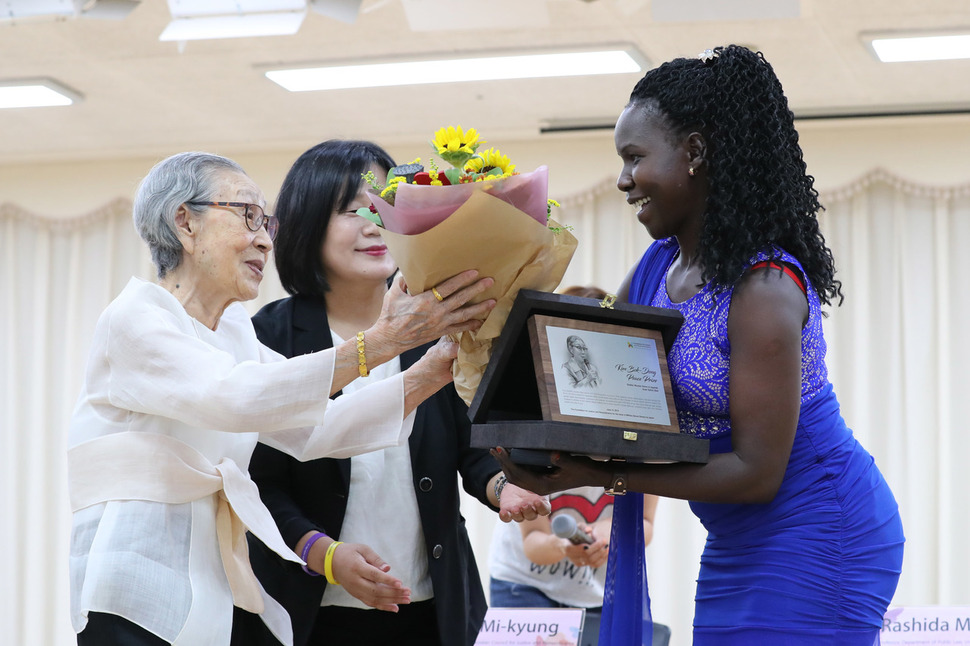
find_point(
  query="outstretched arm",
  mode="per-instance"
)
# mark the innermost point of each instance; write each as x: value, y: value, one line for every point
x: 764, y: 329
x: 516, y: 503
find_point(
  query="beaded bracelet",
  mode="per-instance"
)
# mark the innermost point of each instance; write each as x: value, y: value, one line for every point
x: 500, y: 483
x: 328, y: 563
x: 306, y: 552
x: 361, y: 359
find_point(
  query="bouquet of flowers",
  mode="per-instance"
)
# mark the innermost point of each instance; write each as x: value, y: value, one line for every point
x: 479, y: 213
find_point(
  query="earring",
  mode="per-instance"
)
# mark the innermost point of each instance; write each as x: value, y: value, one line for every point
x: 690, y: 171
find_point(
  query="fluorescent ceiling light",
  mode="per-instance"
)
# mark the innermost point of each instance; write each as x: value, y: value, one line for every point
x: 14, y: 9
x: 921, y: 48
x: 35, y: 93
x: 234, y: 26
x: 188, y: 8
x: 617, y: 61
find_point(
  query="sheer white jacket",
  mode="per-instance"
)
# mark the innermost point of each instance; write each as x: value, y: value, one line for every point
x: 158, y: 456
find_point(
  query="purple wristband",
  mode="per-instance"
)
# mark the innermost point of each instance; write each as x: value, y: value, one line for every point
x: 306, y: 552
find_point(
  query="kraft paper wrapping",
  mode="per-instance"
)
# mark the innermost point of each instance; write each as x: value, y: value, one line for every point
x: 500, y: 241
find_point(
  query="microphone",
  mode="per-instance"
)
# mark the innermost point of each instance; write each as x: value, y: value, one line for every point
x: 565, y: 527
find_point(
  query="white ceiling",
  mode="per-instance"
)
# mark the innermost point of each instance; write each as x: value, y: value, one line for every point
x: 142, y: 96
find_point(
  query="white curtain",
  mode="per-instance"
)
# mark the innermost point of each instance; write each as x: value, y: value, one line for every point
x: 897, y: 355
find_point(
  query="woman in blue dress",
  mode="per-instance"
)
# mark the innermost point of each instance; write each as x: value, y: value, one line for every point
x: 805, y: 542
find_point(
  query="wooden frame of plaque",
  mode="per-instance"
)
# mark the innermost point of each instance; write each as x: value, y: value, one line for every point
x: 519, y: 403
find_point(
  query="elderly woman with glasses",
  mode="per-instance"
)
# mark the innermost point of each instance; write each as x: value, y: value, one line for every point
x: 178, y: 391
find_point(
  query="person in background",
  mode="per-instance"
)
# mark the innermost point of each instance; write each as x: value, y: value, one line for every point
x: 533, y: 567
x: 176, y: 394
x: 805, y: 542
x: 587, y: 291
x: 384, y: 528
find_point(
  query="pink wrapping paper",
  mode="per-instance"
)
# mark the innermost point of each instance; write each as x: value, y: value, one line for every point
x: 435, y: 232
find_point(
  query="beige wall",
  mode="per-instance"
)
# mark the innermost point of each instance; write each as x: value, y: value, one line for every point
x: 929, y: 150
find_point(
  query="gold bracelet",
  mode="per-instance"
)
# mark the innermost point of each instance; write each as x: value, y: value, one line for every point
x: 328, y: 563
x: 361, y: 358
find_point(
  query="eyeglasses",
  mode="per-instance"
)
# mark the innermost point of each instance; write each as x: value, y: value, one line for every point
x: 255, y: 216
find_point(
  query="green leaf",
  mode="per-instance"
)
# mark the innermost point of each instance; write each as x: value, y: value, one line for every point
x: 452, y: 174
x: 365, y: 212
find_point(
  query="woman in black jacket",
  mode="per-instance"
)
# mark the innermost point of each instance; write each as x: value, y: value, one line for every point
x: 396, y: 561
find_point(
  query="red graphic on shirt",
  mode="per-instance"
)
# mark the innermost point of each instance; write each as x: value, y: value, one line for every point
x: 588, y: 510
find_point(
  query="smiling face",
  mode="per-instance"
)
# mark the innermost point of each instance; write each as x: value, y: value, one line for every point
x: 353, y: 249
x: 666, y: 198
x: 224, y: 259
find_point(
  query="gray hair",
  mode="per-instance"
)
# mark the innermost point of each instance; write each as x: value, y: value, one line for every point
x: 181, y: 178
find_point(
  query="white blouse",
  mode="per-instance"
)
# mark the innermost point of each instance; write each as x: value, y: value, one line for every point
x: 382, y: 509
x: 155, y: 370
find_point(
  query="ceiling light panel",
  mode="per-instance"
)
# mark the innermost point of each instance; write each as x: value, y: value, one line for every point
x: 190, y: 8
x: 900, y: 49
x: 250, y: 25
x: 35, y: 93
x: 496, y: 67
x: 13, y: 9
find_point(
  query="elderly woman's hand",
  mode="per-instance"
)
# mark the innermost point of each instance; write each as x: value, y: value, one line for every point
x: 429, y: 373
x: 408, y: 321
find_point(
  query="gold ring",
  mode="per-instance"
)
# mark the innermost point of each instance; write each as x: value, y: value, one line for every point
x: 434, y: 290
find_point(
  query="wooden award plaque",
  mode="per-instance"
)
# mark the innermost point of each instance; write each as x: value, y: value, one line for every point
x: 570, y: 374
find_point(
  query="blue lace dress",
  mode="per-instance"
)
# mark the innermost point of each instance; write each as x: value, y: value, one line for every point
x: 819, y: 564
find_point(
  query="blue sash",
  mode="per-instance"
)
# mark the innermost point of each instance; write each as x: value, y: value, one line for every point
x: 626, y: 600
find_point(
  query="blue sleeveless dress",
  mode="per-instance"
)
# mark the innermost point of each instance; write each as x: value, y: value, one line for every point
x: 819, y: 564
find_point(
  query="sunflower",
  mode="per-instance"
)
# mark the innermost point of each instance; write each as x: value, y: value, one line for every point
x: 489, y: 160
x: 455, y: 145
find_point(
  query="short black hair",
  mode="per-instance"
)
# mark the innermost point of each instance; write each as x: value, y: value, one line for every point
x: 761, y: 195
x: 323, y: 180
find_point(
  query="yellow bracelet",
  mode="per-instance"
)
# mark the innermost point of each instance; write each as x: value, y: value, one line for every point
x: 361, y: 359
x: 328, y: 563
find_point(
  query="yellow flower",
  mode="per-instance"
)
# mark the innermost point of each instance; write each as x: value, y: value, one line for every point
x: 454, y: 139
x: 455, y: 145
x: 489, y: 159
x: 391, y: 189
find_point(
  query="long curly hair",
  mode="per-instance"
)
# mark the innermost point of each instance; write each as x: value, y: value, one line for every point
x: 761, y: 196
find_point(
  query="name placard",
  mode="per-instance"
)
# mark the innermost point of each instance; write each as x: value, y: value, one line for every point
x: 926, y: 626
x: 531, y: 627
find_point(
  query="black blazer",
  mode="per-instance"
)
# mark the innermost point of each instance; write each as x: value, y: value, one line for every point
x: 305, y: 496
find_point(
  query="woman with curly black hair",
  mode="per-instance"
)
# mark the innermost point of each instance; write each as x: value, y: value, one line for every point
x: 805, y: 542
